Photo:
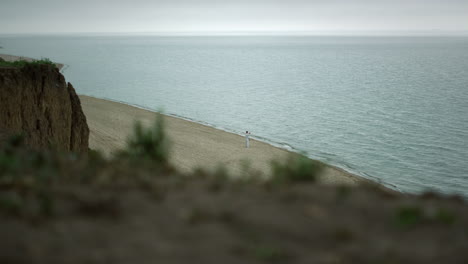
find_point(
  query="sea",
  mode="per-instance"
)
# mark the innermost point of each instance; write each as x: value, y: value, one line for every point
x: 390, y: 109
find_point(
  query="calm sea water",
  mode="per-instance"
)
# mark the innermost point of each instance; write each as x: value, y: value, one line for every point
x: 390, y: 109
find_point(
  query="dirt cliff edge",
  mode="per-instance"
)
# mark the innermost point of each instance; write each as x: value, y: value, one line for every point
x: 36, y: 101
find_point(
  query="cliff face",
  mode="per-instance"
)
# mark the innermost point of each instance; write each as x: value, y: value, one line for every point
x: 36, y: 101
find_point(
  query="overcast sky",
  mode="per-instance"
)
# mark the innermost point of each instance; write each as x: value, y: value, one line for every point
x: 214, y: 16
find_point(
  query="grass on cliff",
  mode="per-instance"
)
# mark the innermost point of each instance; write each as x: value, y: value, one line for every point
x: 23, y: 63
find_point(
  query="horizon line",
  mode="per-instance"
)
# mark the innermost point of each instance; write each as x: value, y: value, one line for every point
x: 395, y: 33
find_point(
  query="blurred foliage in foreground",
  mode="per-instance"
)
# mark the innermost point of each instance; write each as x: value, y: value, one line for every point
x: 34, y: 176
x: 52, y: 205
x: 149, y: 143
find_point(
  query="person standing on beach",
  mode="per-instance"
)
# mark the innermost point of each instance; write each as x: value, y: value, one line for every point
x: 247, y: 139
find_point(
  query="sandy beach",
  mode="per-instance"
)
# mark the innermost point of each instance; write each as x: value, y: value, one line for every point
x: 192, y: 145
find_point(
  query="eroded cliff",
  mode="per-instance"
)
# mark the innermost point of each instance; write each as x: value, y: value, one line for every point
x: 36, y: 101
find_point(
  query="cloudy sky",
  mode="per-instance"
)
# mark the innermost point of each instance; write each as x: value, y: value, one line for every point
x: 217, y: 16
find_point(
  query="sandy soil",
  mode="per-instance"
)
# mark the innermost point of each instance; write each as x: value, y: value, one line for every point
x: 193, y: 145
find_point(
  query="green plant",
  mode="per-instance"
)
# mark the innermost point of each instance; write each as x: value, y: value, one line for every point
x: 445, y: 216
x: 408, y: 216
x: 151, y: 143
x: 296, y: 169
x: 11, y: 202
x: 9, y: 160
x: 23, y: 63
x: 268, y: 253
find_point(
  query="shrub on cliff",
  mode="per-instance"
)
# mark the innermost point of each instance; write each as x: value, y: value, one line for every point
x: 23, y: 63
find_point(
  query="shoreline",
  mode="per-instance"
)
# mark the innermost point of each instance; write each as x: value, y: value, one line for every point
x: 227, y: 147
x: 279, y: 145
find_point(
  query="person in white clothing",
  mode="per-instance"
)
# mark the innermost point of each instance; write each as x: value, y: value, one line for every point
x: 247, y: 139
